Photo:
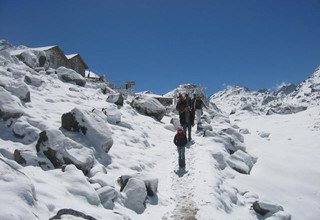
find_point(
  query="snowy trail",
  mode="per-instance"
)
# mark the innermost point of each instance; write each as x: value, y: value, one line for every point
x: 183, y: 187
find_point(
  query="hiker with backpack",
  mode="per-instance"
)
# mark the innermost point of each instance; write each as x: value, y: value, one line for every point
x: 180, y: 140
x: 198, y: 104
x: 185, y: 115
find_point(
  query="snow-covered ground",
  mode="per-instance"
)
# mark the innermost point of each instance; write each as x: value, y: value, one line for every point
x: 52, y: 166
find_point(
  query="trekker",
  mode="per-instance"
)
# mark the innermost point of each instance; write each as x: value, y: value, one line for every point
x: 180, y: 140
x: 198, y: 104
x: 185, y: 115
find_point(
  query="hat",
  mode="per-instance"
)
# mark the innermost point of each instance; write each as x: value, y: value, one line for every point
x: 179, y: 129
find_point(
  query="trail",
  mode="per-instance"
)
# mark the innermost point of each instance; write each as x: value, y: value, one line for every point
x: 183, y: 186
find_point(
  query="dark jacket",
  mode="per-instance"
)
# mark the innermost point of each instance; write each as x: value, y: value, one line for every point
x: 198, y: 104
x: 180, y: 140
x: 181, y: 105
x: 186, y: 117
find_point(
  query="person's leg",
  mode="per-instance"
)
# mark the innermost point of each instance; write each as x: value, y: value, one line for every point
x: 181, y: 157
x: 198, y: 116
x: 185, y: 129
x: 189, y: 132
x: 183, y: 160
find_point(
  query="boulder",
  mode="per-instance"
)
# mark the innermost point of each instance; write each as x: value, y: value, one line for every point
x: 151, y: 183
x: 264, y: 134
x: 241, y: 162
x: 30, y: 158
x: 23, y: 130
x: 116, y: 98
x: 10, y: 106
x: 264, y: 208
x: 92, y: 124
x: 113, y: 114
x: 33, y: 80
x: 69, y: 75
x: 61, y: 150
x: 148, y: 106
x: 107, y: 195
x: 244, y: 131
x: 136, y: 195
x: 19, y: 89
x: 31, y: 57
x: 234, y: 133
x: 18, y: 199
x: 67, y: 213
x: 175, y: 122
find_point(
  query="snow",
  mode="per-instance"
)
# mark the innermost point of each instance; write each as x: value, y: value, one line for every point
x: 279, y: 154
x: 70, y: 56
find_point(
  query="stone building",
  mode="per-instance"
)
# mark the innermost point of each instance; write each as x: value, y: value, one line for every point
x: 77, y: 64
x: 51, y: 56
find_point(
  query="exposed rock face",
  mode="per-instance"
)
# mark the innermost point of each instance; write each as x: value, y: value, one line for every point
x: 10, y: 106
x: 149, y: 106
x: 92, y: 124
x: 70, y: 75
x: 61, y: 150
x: 287, y: 109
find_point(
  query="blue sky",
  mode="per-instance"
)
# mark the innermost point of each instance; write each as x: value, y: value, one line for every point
x: 160, y: 44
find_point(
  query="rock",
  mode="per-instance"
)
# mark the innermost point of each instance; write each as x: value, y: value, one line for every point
x: 148, y: 106
x: 264, y: 208
x: 284, y: 110
x: 61, y: 150
x: 18, y: 158
x: 113, y: 114
x: 264, y: 134
x: 267, y: 99
x: 286, y: 89
x: 71, y: 212
x: 92, y: 124
x: 175, y: 122
x: 70, y: 75
x: 18, y: 191
x: 23, y: 130
x: 244, y: 131
x: 234, y: 133
x: 10, y: 106
x: 19, y: 89
x: 241, y: 162
x: 116, y: 98
x: 136, y: 195
x: 107, y: 196
x: 33, y: 80
x: 151, y: 182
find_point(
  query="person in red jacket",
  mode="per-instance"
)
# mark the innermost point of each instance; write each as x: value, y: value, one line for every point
x: 180, y: 140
